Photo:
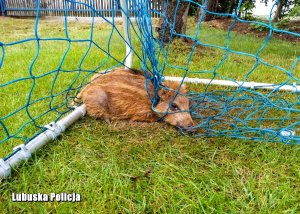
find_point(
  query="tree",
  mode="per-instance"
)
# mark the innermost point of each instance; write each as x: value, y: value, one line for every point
x: 199, y: 11
x: 284, y: 8
x: 246, y: 8
x: 211, y: 6
x: 225, y: 6
x: 295, y: 11
x: 232, y: 5
x: 278, y: 13
x: 166, y: 22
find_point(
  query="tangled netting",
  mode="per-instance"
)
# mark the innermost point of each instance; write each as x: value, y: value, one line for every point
x: 34, y: 92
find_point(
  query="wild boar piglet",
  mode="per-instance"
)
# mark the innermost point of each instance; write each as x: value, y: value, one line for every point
x: 121, y: 94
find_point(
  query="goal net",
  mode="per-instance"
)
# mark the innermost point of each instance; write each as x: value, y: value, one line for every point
x: 240, y: 86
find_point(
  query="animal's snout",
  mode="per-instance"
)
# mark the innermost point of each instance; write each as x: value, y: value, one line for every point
x: 189, y: 127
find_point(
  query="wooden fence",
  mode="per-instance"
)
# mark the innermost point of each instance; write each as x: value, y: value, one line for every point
x: 105, y: 8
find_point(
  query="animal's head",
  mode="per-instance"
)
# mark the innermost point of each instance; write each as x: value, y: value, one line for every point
x: 178, y: 112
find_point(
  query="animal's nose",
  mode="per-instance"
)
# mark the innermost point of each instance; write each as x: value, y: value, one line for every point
x: 189, y: 127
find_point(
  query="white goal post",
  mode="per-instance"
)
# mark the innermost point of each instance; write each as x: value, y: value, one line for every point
x: 24, y: 151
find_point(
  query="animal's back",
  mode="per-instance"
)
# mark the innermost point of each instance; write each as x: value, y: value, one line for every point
x: 119, y: 94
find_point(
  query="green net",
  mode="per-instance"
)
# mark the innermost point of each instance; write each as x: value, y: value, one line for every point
x: 44, y: 64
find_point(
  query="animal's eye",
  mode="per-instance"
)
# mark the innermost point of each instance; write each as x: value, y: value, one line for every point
x: 174, y: 107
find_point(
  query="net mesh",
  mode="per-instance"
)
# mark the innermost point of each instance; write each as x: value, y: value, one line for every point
x: 42, y: 71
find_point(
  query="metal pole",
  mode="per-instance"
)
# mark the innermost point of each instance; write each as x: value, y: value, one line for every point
x: 125, y: 17
x: 252, y: 85
x: 24, y: 151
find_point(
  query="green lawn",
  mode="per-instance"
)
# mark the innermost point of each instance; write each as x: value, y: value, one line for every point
x: 136, y: 167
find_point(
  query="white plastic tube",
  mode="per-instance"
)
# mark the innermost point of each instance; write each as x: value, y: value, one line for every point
x: 24, y: 151
x: 252, y: 85
x: 125, y: 17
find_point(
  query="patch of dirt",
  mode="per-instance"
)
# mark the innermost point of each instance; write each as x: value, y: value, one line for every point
x: 246, y: 28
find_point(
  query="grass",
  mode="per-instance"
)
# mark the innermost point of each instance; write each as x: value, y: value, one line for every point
x: 186, y: 175
x: 135, y: 167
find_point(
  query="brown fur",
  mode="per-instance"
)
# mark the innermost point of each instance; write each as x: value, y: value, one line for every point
x: 121, y: 94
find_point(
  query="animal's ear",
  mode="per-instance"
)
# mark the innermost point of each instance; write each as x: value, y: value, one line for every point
x: 162, y: 93
x: 165, y: 93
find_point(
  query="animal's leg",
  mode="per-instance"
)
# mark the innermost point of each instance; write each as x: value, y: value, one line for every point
x: 78, y: 98
x: 145, y: 117
x: 96, y: 101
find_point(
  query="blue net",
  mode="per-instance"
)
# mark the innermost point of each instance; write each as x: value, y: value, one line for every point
x: 42, y: 71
